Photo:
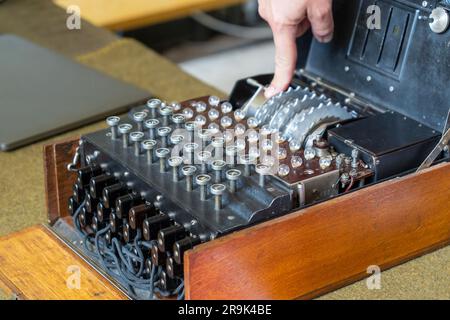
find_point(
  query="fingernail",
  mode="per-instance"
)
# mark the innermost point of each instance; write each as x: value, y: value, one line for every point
x: 326, y: 39
x: 270, y: 92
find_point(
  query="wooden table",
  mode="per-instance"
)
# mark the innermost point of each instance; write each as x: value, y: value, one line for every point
x: 35, y: 265
x: 22, y: 191
x: 122, y: 15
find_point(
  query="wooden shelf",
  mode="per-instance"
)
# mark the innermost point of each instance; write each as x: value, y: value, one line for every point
x: 121, y: 15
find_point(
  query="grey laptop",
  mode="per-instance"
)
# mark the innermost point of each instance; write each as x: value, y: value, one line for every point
x: 43, y: 93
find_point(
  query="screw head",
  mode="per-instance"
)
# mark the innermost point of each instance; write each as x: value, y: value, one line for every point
x: 162, y: 152
x: 218, y: 142
x: 139, y: 116
x: 166, y: 111
x: 218, y: 189
x: 175, y: 161
x: 151, y: 123
x: 204, y: 134
x: 247, y: 159
x: 178, y: 118
x: 233, y: 174
x: 190, y: 147
x: 190, y: 125
x: 164, y: 131
x: 188, y: 170
x: 218, y: 165
x: 148, y: 144
x: 154, y: 103
x: 231, y: 151
x: 176, y: 139
x: 125, y: 128
x: 262, y: 169
x: 137, y: 136
x: 113, y: 121
x: 202, y: 179
x: 204, y: 156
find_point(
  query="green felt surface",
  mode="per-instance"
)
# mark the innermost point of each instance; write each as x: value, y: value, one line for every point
x: 22, y: 201
x: 42, y: 22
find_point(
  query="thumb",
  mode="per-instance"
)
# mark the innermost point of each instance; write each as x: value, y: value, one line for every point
x: 285, y: 58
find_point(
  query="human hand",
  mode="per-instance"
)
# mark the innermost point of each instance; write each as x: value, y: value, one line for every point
x: 290, y: 19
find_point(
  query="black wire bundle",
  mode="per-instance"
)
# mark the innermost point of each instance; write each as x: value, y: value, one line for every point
x: 126, y: 262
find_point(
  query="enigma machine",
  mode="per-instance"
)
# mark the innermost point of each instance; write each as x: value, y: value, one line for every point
x: 282, y: 198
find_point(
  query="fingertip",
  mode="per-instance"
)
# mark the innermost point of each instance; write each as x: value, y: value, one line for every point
x: 270, y: 91
x: 285, y: 59
x: 325, y: 39
x: 321, y: 16
x: 274, y: 89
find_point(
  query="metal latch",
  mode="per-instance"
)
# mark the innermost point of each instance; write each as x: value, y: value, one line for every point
x: 257, y: 100
x: 441, y: 146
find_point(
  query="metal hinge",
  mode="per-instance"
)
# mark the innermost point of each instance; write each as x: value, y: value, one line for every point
x: 441, y: 146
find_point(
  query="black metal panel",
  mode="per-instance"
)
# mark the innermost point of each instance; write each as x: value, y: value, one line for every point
x: 391, y: 143
x: 404, y: 66
x: 249, y: 205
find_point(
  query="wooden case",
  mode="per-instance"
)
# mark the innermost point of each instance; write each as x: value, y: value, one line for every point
x: 301, y: 255
x: 312, y: 251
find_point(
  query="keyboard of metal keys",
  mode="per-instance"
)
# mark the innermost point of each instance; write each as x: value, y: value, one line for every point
x: 172, y: 176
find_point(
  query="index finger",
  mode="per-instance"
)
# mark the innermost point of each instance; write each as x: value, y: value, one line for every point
x: 285, y: 58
